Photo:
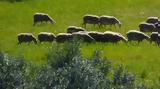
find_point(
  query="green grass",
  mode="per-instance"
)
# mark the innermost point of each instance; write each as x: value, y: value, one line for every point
x: 17, y: 17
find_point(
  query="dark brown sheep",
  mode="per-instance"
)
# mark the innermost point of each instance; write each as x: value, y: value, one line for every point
x: 113, y: 37
x: 98, y: 36
x: 26, y: 37
x: 46, y: 37
x: 147, y: 27
x: 83, y: 36
x: 134, y: 35
x: 42, y: 17
x: 109, y: 20
x: 153, y: 20
x: 72, y: 29
x: 90, y: 19
x: 61, y: 37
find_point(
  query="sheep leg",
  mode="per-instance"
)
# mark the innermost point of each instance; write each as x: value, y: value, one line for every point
x: 94, y: 25
x: 34, y: 23
x: 114, y: 26
x: 84, y: 25
x: 19, y: 43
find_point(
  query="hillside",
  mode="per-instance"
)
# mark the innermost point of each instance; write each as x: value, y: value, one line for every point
x: 18, y: 17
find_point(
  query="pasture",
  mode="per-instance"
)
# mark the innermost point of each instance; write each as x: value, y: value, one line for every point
x: 18, y: 17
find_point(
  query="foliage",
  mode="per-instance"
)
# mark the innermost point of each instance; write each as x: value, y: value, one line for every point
x: 78, y: 73
x: 11, y: 72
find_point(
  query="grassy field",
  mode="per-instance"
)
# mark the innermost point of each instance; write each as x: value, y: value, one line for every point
x: 17, y: 17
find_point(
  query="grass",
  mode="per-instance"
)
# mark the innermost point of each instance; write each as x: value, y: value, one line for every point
x: 17, y: 17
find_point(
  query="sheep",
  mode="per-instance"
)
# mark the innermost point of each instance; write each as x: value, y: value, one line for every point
x: 153, y: 20
x: 155, y: 37
x: 90, y: 19
x: 26, y: 37
x: 98, y: 36
x: 46, y: 36
x: 113, y: 37
x: 109, y: 20
x: 158, y: 26
x: 83, y: 36
x: 40, y: 17
x: 72, y: 29
x: 147, y: 27
x: 61, y: 37
x: 158, y: 21
x: 134, y: 35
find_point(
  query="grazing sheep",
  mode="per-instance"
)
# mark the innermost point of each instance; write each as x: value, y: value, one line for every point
x: 72, y: 29
x: 147, y: 27
x: 109, y: 20
x: 90, y: 19
x: 153, y: 20
x: 155, y: 37
x: 158, y: 26
x: 40, y: 17
x: 83, y: 36
x: 113, y: 37
x: 45, y: 36
x: 134, y: 35
x: 158, y: 21
x: 98, y: 36
x: 61, y: 37
x: 26, y: 37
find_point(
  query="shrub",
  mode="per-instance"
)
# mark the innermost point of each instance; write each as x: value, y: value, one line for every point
x: 11, y: 72
x: 67, y: 69
x: 61, y: 55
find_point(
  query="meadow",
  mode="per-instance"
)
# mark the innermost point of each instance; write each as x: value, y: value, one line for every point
x: 18, y: 17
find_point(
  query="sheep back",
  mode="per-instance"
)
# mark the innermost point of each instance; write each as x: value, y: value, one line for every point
x: 147, y: 27
x: 72, y: 29
x: 46, y: 36
x: 26, y: 37
x: 134, y: 35
x: 61, y: 37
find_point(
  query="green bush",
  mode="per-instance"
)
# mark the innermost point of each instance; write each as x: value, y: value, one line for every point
x: 11, y: 72
x: 67, y: 69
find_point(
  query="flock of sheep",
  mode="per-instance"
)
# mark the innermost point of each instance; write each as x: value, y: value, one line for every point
x: 152, y: 24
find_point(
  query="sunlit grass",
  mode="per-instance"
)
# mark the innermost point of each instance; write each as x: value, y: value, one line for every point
x: 17, y: 17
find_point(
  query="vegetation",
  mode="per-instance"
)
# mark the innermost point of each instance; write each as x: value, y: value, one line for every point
x: 75, y: 73
x: 142, y: 59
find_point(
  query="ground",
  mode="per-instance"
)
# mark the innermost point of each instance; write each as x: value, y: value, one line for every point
x: 18, y: 17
